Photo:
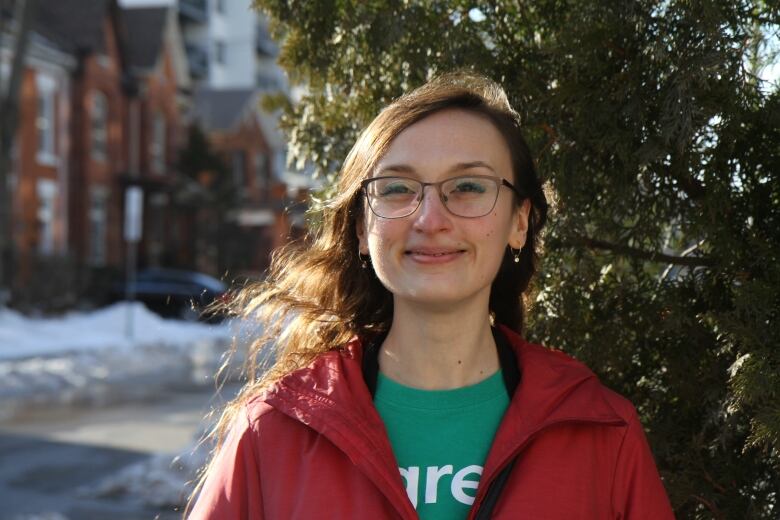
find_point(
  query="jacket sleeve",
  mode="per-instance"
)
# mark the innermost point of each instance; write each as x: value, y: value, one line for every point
x: 637, y: 490
x: 232, y: 486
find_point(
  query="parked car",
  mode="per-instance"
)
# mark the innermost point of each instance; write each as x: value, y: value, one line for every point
x: 174, y: 293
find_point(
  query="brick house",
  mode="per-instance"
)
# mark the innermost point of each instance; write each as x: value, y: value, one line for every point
x: 42, y: 147
x: 157, y: 110
x: 105, y: 100
x: 268, y: 210
x: 68, y: 149
x: 101, y: 108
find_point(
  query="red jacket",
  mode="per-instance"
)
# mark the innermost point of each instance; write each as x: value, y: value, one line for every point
x: 313, y: 446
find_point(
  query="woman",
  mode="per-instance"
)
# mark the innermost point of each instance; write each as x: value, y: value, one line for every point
x: 402, y: 387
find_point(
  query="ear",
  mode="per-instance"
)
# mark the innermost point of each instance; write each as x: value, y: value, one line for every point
x: 519, y: 229
x: 360, y: 230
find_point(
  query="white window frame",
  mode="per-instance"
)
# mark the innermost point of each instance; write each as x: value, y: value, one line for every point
x: 45, y: 130
x: 5, y: 73
x: 98, y: 225
x: 158, y: 143
x: 99, y: 116
x: 46, y: 189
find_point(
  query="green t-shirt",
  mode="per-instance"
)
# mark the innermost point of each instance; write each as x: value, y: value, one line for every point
x: 441, y: 439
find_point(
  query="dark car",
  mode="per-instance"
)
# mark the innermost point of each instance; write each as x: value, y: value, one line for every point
x: 174, y: 293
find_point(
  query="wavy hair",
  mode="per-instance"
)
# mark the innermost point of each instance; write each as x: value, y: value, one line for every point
x: 317, y: 296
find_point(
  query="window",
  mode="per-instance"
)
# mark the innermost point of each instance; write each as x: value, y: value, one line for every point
x: 157, y: 146
x: 135, y: 137
x: 44, y: 122
x: 99, y: 127
x: 220, y: 55
x: 47, y: 194
x: 238, y: 169
x: 261, y: 170
x: 98, y: 220
x: 5, y: 73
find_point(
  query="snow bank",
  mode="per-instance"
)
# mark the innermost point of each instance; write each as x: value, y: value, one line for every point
x: 162, y: 481
x: 89, y: 358
x: 107, y: 328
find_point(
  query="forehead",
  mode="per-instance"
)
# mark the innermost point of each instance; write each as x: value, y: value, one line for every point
x: 447, y: 138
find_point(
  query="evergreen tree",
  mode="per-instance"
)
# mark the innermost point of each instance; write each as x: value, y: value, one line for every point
x: 661, y: 145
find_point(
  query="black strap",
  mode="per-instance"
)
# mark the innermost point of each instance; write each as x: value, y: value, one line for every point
x: 511, y: 374
x: 371, y: 362
x: 508, y: 361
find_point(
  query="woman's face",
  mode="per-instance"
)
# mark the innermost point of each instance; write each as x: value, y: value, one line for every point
x: 433, y: 256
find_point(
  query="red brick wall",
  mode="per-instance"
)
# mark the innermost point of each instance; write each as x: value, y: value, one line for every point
x: 99, y: 73
x: 163, y: 227
x: 29, y: 170
x: 249, y: 139
x: 160, y: 97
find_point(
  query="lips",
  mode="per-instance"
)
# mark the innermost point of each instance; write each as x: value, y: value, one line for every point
x: 429, y: 255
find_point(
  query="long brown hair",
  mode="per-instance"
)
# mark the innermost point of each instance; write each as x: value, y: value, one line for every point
x: 317, y: 296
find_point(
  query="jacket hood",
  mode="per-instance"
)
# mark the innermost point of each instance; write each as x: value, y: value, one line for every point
x: 331, y: 397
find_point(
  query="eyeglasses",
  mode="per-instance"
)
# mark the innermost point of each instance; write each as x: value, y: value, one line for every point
x: 470, y: 196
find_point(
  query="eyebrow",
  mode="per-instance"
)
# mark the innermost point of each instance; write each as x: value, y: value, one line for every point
x: 405, y: 168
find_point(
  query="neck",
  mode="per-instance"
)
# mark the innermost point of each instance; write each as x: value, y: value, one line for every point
x: 439, y: 348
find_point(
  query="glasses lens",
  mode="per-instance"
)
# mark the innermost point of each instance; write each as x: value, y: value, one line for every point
x: 470, y: 196
x: 393, y: 197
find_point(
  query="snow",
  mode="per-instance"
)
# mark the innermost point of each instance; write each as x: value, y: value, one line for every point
x: 160, y: 481
x: 89, y: 357
x: 23, y: 337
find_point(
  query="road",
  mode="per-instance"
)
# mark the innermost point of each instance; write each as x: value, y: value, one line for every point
x: 47, y: 458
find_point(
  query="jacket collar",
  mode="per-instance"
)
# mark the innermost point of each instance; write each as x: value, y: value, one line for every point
x: 554, y: 388
x: 331, y: 397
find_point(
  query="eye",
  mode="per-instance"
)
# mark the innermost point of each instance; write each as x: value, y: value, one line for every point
x: 469, y: 186
x: 395, y: 187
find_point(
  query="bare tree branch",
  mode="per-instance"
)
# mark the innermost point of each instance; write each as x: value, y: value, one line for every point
x: 633, y: 252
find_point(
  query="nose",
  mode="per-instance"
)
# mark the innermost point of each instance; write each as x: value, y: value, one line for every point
x: 431, y: 216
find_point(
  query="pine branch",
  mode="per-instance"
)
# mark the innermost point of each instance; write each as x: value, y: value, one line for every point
x: 633, y: 252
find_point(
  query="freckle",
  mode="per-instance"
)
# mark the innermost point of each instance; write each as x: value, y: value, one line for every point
x: 459, y: 361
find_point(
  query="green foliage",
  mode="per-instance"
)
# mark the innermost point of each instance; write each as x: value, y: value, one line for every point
x: 662, y: 146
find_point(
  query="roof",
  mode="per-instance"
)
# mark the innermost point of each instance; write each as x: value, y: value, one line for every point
x: 221, y: 109
x: 145, y: 28
x: 74, y: 25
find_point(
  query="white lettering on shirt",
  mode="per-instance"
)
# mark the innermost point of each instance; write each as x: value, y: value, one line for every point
x: 434, y: 473
x: 412, y: 477
x: 459, y: 483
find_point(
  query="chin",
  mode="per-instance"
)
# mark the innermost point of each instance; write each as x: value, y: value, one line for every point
x: 436, y: 298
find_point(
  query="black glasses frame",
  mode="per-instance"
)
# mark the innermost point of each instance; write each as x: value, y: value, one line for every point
x: 500, y: 181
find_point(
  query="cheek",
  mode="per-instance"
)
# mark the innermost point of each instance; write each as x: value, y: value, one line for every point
x: 382, y: 235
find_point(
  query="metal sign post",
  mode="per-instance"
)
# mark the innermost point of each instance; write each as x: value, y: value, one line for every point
x: 134, y: 209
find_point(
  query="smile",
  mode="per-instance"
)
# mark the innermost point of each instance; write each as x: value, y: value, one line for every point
x: 427, y: 256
